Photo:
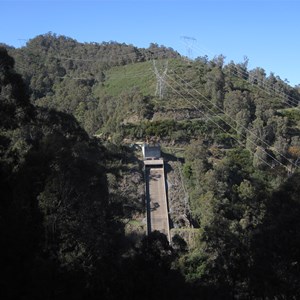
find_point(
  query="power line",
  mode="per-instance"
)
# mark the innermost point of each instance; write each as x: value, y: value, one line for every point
x: 242, y: 73
x: 268, y: 86
x: 207, y: 117
x: 188, y: 41
x: 159, y: 90
x: 245, y: 128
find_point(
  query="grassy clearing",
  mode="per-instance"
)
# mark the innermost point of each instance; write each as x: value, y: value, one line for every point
x: 124, y: 78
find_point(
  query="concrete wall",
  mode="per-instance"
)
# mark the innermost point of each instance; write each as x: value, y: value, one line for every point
x: 150, y: 152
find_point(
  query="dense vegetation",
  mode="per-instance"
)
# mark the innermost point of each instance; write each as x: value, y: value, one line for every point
x: 64, y: 202
x: 61, y: 230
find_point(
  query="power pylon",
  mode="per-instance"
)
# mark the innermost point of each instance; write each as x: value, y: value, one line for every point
x: 160, y: 80
x: 189, y: 41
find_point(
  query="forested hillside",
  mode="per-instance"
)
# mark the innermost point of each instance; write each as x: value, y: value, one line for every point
x: 62, y: 223
x: 72, y: 182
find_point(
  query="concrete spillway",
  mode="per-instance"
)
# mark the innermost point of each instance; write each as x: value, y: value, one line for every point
x: 156, y: 197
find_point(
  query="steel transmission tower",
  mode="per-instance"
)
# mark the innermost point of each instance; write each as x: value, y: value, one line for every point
x: 189, y: 41
x: 160, y: 80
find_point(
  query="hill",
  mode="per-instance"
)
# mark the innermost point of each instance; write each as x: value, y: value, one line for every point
x: 230, y: 138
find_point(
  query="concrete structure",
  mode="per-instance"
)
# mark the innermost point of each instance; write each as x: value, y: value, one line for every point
x: 151, y: 152
x: 156, y: 194
x: 154, y: 162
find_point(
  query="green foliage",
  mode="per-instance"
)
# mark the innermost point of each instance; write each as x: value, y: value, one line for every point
x: 293, y: 115
x: 57, y: 217
x: 62, y: 213
x: 167, y: 129
x: 194, y: 266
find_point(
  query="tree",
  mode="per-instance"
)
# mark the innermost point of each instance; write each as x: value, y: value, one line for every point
x: 215, y: 83
x: 275, y: 245
x: 237, y: 105
x: 14, y: 100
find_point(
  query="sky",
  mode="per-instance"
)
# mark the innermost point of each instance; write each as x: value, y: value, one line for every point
x: 265, y: 31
